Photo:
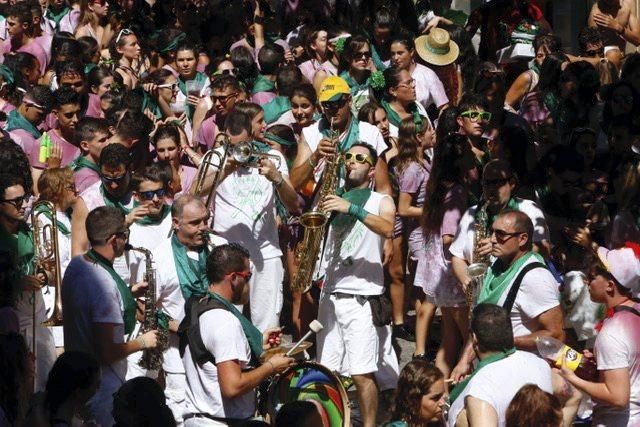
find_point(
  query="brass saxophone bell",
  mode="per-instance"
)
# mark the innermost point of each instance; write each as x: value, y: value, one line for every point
x: 313, y: 219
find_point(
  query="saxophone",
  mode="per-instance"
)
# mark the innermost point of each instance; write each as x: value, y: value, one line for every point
x: 478, y: 268
x: 315, y: 223
x: 151, y: 358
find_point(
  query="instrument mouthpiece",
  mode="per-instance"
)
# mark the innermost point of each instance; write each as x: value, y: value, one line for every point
x: 316, y: 326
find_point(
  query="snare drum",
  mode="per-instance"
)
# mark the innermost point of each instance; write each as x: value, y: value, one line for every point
x: 310, y: 381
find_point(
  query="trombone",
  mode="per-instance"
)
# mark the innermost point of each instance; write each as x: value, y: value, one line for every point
x: 211, y: 159
x: 246, y: 154
x: 45, y: 241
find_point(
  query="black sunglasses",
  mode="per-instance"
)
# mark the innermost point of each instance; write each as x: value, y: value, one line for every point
x: 334, y: 105
x: 502, y: 235
x: 148, y: 195
x: 115, y: 179
x: 495, y: 182
x: 16, y: 202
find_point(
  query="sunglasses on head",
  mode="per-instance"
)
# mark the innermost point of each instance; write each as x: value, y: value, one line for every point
x: 474, y: 116
x: 148, y: 195
x: 358, y: 158
x: 123, y: 32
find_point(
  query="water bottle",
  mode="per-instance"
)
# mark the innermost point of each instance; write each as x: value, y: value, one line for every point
x: 555, y: 350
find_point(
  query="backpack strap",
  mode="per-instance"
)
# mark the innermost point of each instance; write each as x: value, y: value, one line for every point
x: 627, y: 308
x: 515, y: 287
x: 189, y: 329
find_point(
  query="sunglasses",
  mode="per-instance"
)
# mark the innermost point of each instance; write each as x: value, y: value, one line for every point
x: 17, y: 202
x: 474, y: 116
x: 172, y: 86
x: 502, y: 236
x: 334, y: 105
x: 222, y: 99
x: 594, y: 52
x: 499, y: 182
x: 149, y: 195
x: 124, y: 234
x: 79, y: 83
x: 123, y: 32
x: 362, y: 55
x: 115, y: 179
x: 246, y: 275
x: 358, y: 158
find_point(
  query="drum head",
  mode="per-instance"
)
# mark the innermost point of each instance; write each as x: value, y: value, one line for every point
x: 311, y: 381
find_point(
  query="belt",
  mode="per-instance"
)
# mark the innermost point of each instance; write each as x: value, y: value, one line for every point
x: 230, y: 421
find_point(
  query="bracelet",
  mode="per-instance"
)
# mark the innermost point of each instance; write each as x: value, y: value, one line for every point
x: 279, y: 183
x: 313, y: 166
x: 142, y: 342
x: 358, y: 212
x: 273, y: 368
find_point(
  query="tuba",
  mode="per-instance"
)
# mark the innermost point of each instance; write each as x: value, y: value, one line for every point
x: 480, y: 264
x: 151, y: 358
x: 211, y: 159
x: 315, y: 223
x: 45, y: 242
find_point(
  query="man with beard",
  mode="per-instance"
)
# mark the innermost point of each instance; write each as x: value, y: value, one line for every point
x: 354, y: 341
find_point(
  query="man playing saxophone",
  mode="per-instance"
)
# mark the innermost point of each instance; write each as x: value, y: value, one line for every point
x: 355, y: 339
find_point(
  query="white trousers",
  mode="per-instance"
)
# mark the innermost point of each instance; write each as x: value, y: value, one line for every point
x: 266, y: 294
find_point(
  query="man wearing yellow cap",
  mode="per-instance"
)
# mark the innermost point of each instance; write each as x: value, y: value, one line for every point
x: 316, y: 141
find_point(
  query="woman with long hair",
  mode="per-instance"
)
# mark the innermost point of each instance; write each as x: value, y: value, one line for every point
x: 447, y: 200
x: 93, y: 21
x: 170, y: 143
x: 127, y: 54
x: 99, y: 80
x: 410, y: 168
x: 375, y: 114
x: 398, y: 97
x: 304, y: 106
x: 420, y: 396
x: 161, y: 90
x: 193, y: 84
x: 355, y: 69
x: 315, y: 47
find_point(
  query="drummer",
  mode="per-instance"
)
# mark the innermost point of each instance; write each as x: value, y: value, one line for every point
x: 218, y: 361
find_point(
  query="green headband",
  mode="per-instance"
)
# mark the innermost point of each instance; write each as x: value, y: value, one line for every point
x: 275, y: 138
x: 7, y: 74
x: 173, y: 44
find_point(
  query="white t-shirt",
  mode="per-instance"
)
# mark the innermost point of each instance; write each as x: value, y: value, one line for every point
x: 353, y: 257
x: 618, y: 346
x: 498, y: 382
x: 145, y: 236
x: 538, y: 293
x: 245, y: 210
x: 224, y: 338
x: 90, y: 296
x: 429, y: 88
x: 462, y: 246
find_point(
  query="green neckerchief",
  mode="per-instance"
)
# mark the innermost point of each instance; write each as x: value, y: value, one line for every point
x: 399, y: 423
x: 81, y: 162
x: 377, y: 61
x: 457, y: 16
x: 261, y: 147
x: 263, y: 84
x: 200, y: 78
x: 6, y: 74
x: 128, y: 301
x: 151, y: 104
x: 353, y: 134
x: 57, y: 17
x: 192, y: 275
x: 354, y: 86
x: 109, y: 201
x: 457, y: 390
x: 254, y: 336
x: 16, y: 120
x: 395, y: 119
x: 173, y: 44
x: 88, y: 67
x: 275, y: 108
x: 21, y: 245
x: 357, y: 196
x: 498, y: 279
x: 535, y: 68
x: 512, y: 204
x: 63, y: 228
x: 147, y: 220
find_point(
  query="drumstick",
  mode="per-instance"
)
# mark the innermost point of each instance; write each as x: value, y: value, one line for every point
x: 315, y: 327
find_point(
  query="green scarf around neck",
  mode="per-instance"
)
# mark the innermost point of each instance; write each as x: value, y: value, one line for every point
x: 111, y: 202
x: 275, y: 108
x: 356, y: 196
x: 459, y: 388
x: 354, y: 86
x: 498, y: 278
x: 192, y: 275
x: 377, y: 61
x: 200, y: 78
x: 353, y: 133
x: 21, y: 245
x: 147, y: 220
x: 512, y: 204
x: 263, y: 84
x: 394, y: 118
x: 81, y: 162
x: 63, y: 228
x: 254, y: 336
x: 16, y: 120
x: 128, y: 301
x: 57, y: 16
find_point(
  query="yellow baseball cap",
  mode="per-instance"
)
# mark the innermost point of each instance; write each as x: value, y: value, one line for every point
x: 333, y: 88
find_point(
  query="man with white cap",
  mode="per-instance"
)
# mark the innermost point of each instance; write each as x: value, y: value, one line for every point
x: 613, y: 278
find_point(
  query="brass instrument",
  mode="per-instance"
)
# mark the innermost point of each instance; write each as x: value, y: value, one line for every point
x: 246, y: 154
x: 47, y: 254
x: 479, y: 264
x: 151, y: 358
x: 314, y: 223
x: 203, y: 170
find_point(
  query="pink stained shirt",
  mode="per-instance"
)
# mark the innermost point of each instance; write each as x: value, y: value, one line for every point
x: 27, y: 142
x: 69, y: 151
x: 34, y: 48
x: 207, y: 132
x: 85, y: 178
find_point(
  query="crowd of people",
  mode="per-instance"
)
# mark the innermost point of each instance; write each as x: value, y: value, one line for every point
x: 186, y: 183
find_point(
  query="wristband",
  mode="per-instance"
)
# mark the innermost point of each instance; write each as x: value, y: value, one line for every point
x: 273, y: 368
x: 358, y: 212
x: 142, y: 342
x: 313, y: 166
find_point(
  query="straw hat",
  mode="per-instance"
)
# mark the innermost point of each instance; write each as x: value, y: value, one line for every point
x: 437, y: 48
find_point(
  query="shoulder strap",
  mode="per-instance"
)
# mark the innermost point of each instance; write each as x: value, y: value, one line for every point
x: 189, y: 329
x: 511, y: 296
x: 627, y: 308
